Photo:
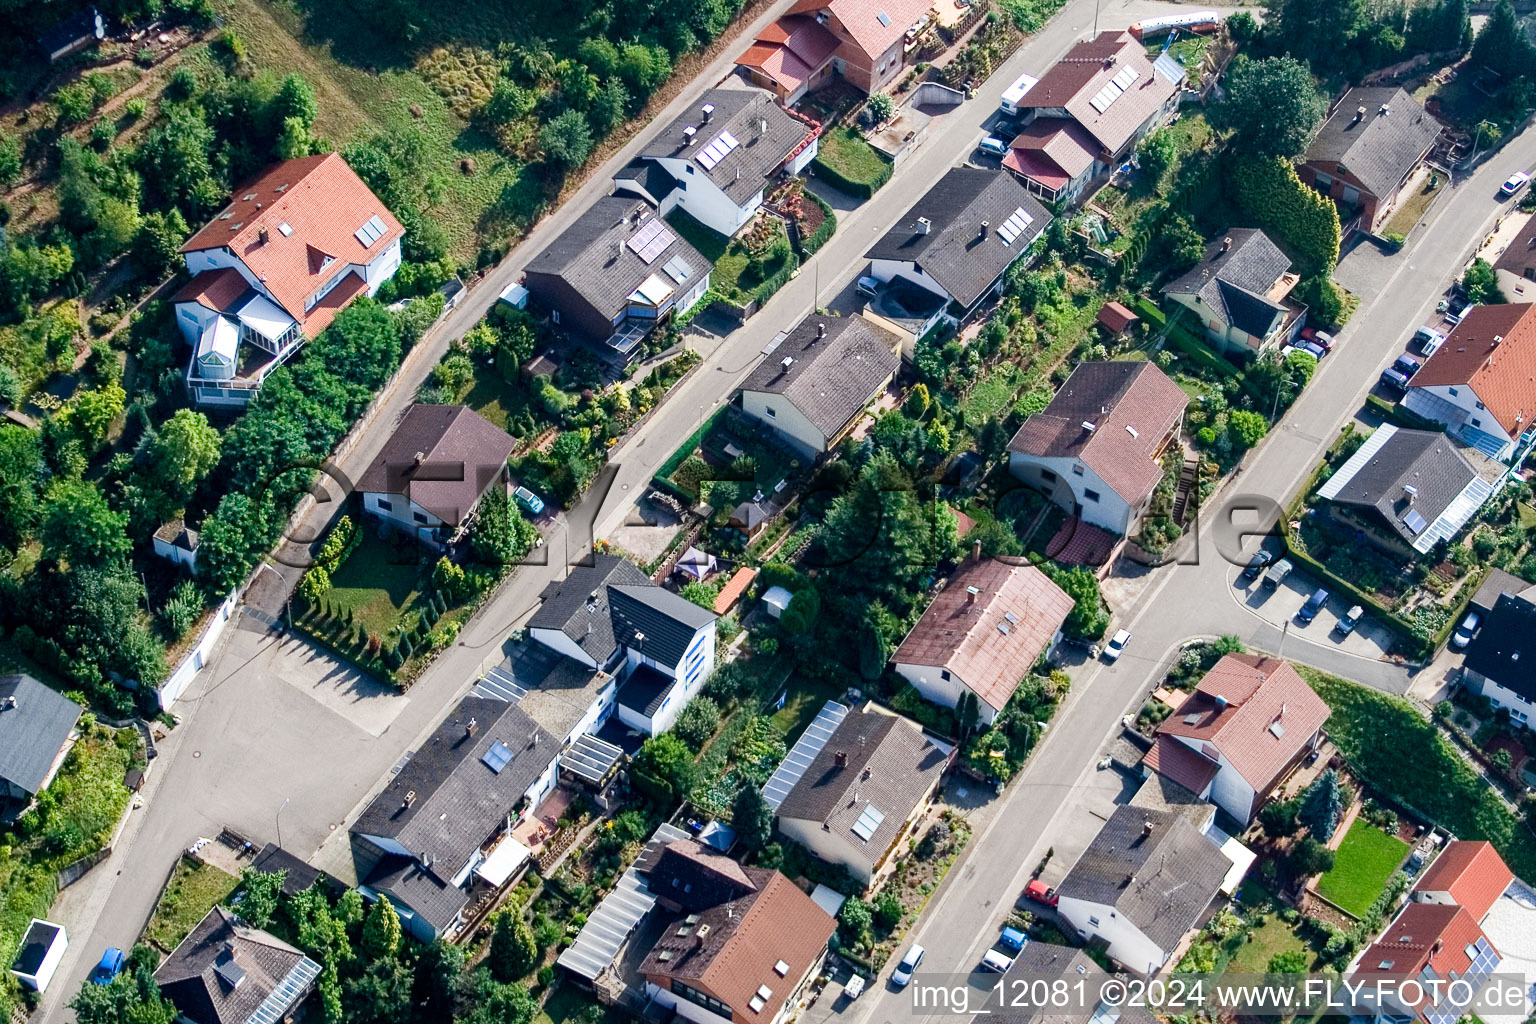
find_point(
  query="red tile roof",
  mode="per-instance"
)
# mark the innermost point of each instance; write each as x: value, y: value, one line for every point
x: 323, y: 202
x: 1239, y: 707
x: 1060, y: 142
x: 791, y: 50
x: 966, y: 635
x: 1176, y: 760
x: 1132, y: 407
x: 732, y: 591
x: 1434, y: 935
x: 1074, y: 81
x: 217, y: 289
x: 1116, y: 316
x: 1472, y: 873
x: 1492, y: 351
x: 862, y: 19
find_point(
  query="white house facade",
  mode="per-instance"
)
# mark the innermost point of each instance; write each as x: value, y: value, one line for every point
x: 1078, y: 489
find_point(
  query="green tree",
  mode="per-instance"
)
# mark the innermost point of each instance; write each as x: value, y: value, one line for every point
x: 381, y: 994
x: 855, y: 921
x: 1157, y: 154
x: 888, y: 910
x: 698, y: 722
x: 92, y: 412
x: 381, y: 930
x: 296, y: 99
x: 1310, y: 857
x: 1501, y: 44
x: 259, y: 895
x: 79, y: 527
x: 1272, y: 106
x: 186, y: 449
x: 752, y: 818
x: 21, y: 479
x: 967, y: 713
x: 874, y: 650
x: 881, y: 107
x: 701, y: 593
x: 1180, y: 244
x: 668, y: 760
x: 1246, y: 427
x: 160, y: 238
x: 10, y: 160
x: 501, y: 536
x: 566, y: 139
x: 495, y: 1003
x: 439, y: 971
x: 1290, y: 961
x: 1089, y: 617
x: 1321, y: 805
x: 232, y: 538
x: 513, y: 952
x: 1482, y: 284
x: 133, y: 997
x: 1315, y: 30
x: 293, y: 140
x: 609, y: 107
x: 175, y: 160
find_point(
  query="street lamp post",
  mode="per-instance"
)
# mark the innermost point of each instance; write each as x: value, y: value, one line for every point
x: 278, y: 818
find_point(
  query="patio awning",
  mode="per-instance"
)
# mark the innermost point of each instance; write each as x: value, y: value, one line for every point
x: 590, y: 758
x: 508, y: 856
x: 1241, y: 857
x: 265, y: 318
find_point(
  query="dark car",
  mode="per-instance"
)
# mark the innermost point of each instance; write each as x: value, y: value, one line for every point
x: 1314, y: 605
x: 1256, y: 564
x: 1406, y: 365
x: 1394, y: 379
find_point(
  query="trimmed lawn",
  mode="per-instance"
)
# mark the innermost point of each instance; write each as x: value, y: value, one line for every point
x: 570, y: 1005
x: 801, y: 706
x: 1365, y: 860
x: 846, y: 152
x: 379, y: 583
x: 738, y: 274
x: 991, y: 394
x: 710, y: 243
x: 1406, y: 216
x: 194, y: 889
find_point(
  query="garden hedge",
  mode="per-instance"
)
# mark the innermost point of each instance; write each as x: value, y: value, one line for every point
x: 1267, y: 189
x: 663, y: 477
x: 857, y: 189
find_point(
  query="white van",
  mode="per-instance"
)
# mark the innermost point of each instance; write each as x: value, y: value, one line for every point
x: 1014, y: 93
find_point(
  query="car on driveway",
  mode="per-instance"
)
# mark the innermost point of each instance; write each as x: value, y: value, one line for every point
x: 530, y: 501
x: 1429, y: 340
x: 903, y: 972
x: 1406, y: 365
x: 1256, y: 564
x: 1315, y: 604
x: 109, y: 967
x: 1463, y: 634
x: 1040, y: 892
x: 1349, y: 620
x: 1277, y: 573
x: 1514, y: 183
x: 1312, y: 348
x: 1394, y: 379
x: 995, y: 961
x: 994, y: 146
x: 1116, y: 645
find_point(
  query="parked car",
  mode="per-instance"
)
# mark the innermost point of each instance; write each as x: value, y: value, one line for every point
x: 1350, y: 620
x: 1406, y: 365
x: 1012, y: 940
x: 110, y: 966
x: 1277, y: 573
x: 994, y: 146
x: 995, y: 962
x: 868, y: 286
x: 1313, y: 348
x: 1514, y: 183
x: 903, y: 972
x: 1041, y: 893
x: 1256, y: 564
x: 1463, y: 634
x: 1394, y: 379
x: 1323, y: 340
x: 1428, y: 340
x: 1116, y: 646
x: 530, y: 501
x: 1315, y: 604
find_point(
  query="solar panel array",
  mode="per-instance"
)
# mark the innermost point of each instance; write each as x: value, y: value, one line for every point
x: 1414, y: 521
x: 651, y: 240
x: 868, y: 822
x: 1111, y: 92
x: 370, y: 232
x: 1014, y: 226
x: 804, y: 752
x: 497, y: 757
x: 717, y: 150
x: 678, y: 269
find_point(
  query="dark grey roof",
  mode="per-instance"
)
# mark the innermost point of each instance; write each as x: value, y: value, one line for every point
x: 297, y: 875
x: 1047, y: 962
x: 1504, y: 647
x: 1161, y: 882
x: 462, y: 455
x: 751, y: 514
x: 39, y: 938
x: 831, y: 377
x: 646, y: 690
x: 1232, y: 283
x: 765, y: 133
x: 593, y: 258
x: 1425, y: 460
x: 34, y: 731
x: 578, y: 605
x: 460, y: 801
x: 695, y: 876
x: 407, y: 883
x: 1495, y: 583
x: 1379, y: 149
x: 646, y: 179
x: 667, y: 620
x: 196, y: 976
x: 954, y: 252
x: 889, y: 765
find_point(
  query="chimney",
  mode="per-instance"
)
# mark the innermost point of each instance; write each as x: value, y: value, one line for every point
x: 1221, y: 703
x: 976, y: 551
x: 864, y: 775
x: 840, y: 759
x: 1088, y: 425
x: 1130, y: 880
x: 426, y: 859
x: 688, y: 134
x: 1385, y: 110
x: 924, y: 225
x: 1409, y: 492
x: 262, y: 236
x: 1146, y: 830
x: 1359, y: 115
x: 410, y: 798
x: 821, y: 331
x: 705, y: 111
x: 592, y: 601
x: 469, y: 729
x: 419, y: 458
x: 1226, y: 244
x: 970, y: 595
x: 984, y: 226
x: 787, y: 362
x: 10, y: 703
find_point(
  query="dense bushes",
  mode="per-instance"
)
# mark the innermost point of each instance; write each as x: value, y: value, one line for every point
x: 1269, y: 192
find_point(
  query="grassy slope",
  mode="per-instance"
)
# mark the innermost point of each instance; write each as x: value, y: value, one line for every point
x: 194, y: 889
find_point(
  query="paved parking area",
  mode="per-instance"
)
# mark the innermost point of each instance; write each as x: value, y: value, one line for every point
x: 1369, y: 640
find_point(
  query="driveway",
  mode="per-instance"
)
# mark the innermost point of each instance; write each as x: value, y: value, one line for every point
x: 1278, y: 607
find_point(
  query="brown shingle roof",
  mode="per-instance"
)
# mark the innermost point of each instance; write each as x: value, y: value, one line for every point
x: 967, y: 636
x: 1116, y: 316
x: 1238, y: 707
x: 697, y: 877
x: 1132, y: 406
x: 194, y: 975
x: 462, y: 454
x: 1501, y: 372
x: 217, y: 289
x: 1472, y: 872
x: 1074, y: 81
x: 1182, y: 763
x: 323, y: 202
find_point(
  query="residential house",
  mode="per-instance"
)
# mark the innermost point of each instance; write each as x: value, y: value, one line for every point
x: 609, y: 617
x: 445, y: 818
x: 1478, y: 382
x: 226, y: 972
x: 1144, y: 882
x: 1515, y: 269
x: 1425, y: 941
x: 954, y: 244
x: 37, y: 728
x: 1248, y: 724
x: 861, y: 797
x: 982, y: 633
x: 274, y: 267
x: 1407, y: 490
x: 793, y: 56
x: 434, y: 469
x: 1497, y: 582
x: 1062, y: 969
x: 176, y: 542
x: 616, y: 274
x: 1374, y: 139
x: 741, y: 945
x: 1087, y: 113
x: 869, y: 45
x: 1497, y: 665
x: 718, y: 159
x: 812, y: 388
x: 1096, y: 449
x: 1240, y: 294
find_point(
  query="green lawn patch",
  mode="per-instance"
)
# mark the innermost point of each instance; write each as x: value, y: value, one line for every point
x: 991, y: 394
x: 194, y: 889
x: 1271, y: 937
x: 850, y: 164
x: 499, y: 400
x: 754, y: 265
x: 568, y: 1004
x: 710, y: 243
x: 379, y: 584
x: 1403, y: 756
x: 801, y: 706
x: 1363, y: 863
x: 1413, y: 208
